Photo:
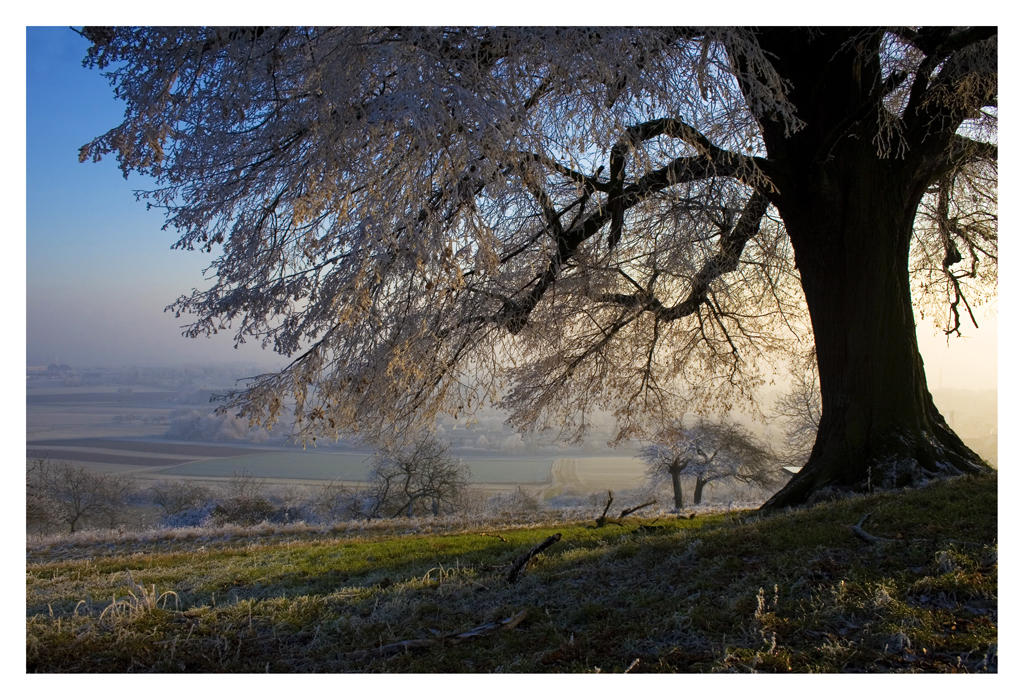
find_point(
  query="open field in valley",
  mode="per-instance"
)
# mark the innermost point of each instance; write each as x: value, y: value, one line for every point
x: 113, y: 430
x: 155, y: 459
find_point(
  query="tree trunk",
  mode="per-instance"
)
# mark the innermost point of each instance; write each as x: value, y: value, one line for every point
x: 677, y: 489
x: 879, y: 426
x: 850, y: 215
x: 698, y: 491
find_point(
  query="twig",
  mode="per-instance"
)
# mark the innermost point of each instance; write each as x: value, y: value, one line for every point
x: 485, y: 629
x: 632, y: 666
x: 870, y: 539
x: 447, y: 640
x: 521, y: 562
x: 487, y: 534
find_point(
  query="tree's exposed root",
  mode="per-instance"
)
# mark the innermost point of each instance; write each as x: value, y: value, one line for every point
x: 825, y: 479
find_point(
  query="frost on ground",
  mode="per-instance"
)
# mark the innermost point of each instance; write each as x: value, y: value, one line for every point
x: 505, y: 510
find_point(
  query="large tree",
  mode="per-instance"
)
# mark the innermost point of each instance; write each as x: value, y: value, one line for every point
x: 563, y: 220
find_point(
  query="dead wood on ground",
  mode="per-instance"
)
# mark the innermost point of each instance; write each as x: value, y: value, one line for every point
x: 517, y: 567
x: 869, y: 538
x: 603, y: 519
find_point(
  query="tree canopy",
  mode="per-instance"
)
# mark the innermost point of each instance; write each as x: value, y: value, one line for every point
x: 565, y: 219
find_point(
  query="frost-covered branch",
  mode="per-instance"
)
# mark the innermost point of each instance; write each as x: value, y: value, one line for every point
x: 431, y: 219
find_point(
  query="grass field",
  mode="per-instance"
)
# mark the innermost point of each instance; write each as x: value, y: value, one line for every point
x: 790, y: 592
x: 294, y: 465
x: 154, y: 458
x: 611, y: 472
x: 351, y: 467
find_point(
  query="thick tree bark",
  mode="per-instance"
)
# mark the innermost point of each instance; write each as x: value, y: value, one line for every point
x: 677, y: 489
x: 850, y: 216
x: 698, y: 491
x: 879, y: 427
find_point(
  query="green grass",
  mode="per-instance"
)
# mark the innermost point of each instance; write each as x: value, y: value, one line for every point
x: 790, y: 592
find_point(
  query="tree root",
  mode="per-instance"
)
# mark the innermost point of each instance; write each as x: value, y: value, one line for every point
x: 874, y: 539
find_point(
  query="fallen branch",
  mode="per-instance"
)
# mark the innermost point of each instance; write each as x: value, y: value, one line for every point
x: 603, y: 518
x: 446, y: 640
x: 870, y: 539
x: 873, y: 539
x: 517, y: 567
x: 630, y: 511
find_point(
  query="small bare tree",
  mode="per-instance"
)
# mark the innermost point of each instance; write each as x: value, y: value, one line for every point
x: 39, y: 508
x: 708, y: 451
x: 67, y: 494
x: 418, y: 477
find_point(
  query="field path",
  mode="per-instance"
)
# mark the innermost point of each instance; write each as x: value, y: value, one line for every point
x: 564, y: 473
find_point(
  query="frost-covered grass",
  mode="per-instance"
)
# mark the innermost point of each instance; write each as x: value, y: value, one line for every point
x: 716, y: 592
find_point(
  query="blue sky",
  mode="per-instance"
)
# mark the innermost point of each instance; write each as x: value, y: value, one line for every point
x: 100, y: 270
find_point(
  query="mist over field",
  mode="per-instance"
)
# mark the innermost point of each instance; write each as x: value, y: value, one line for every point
x: 164, y: 408
x: 157, y: 423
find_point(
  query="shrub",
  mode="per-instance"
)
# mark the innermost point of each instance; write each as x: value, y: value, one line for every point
x: 178, y: 496
x: 518, y: 501
x: 246, y: 502
x: 333, y: 501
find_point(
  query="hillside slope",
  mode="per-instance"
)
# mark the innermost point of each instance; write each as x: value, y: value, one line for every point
x: 796, y: 591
